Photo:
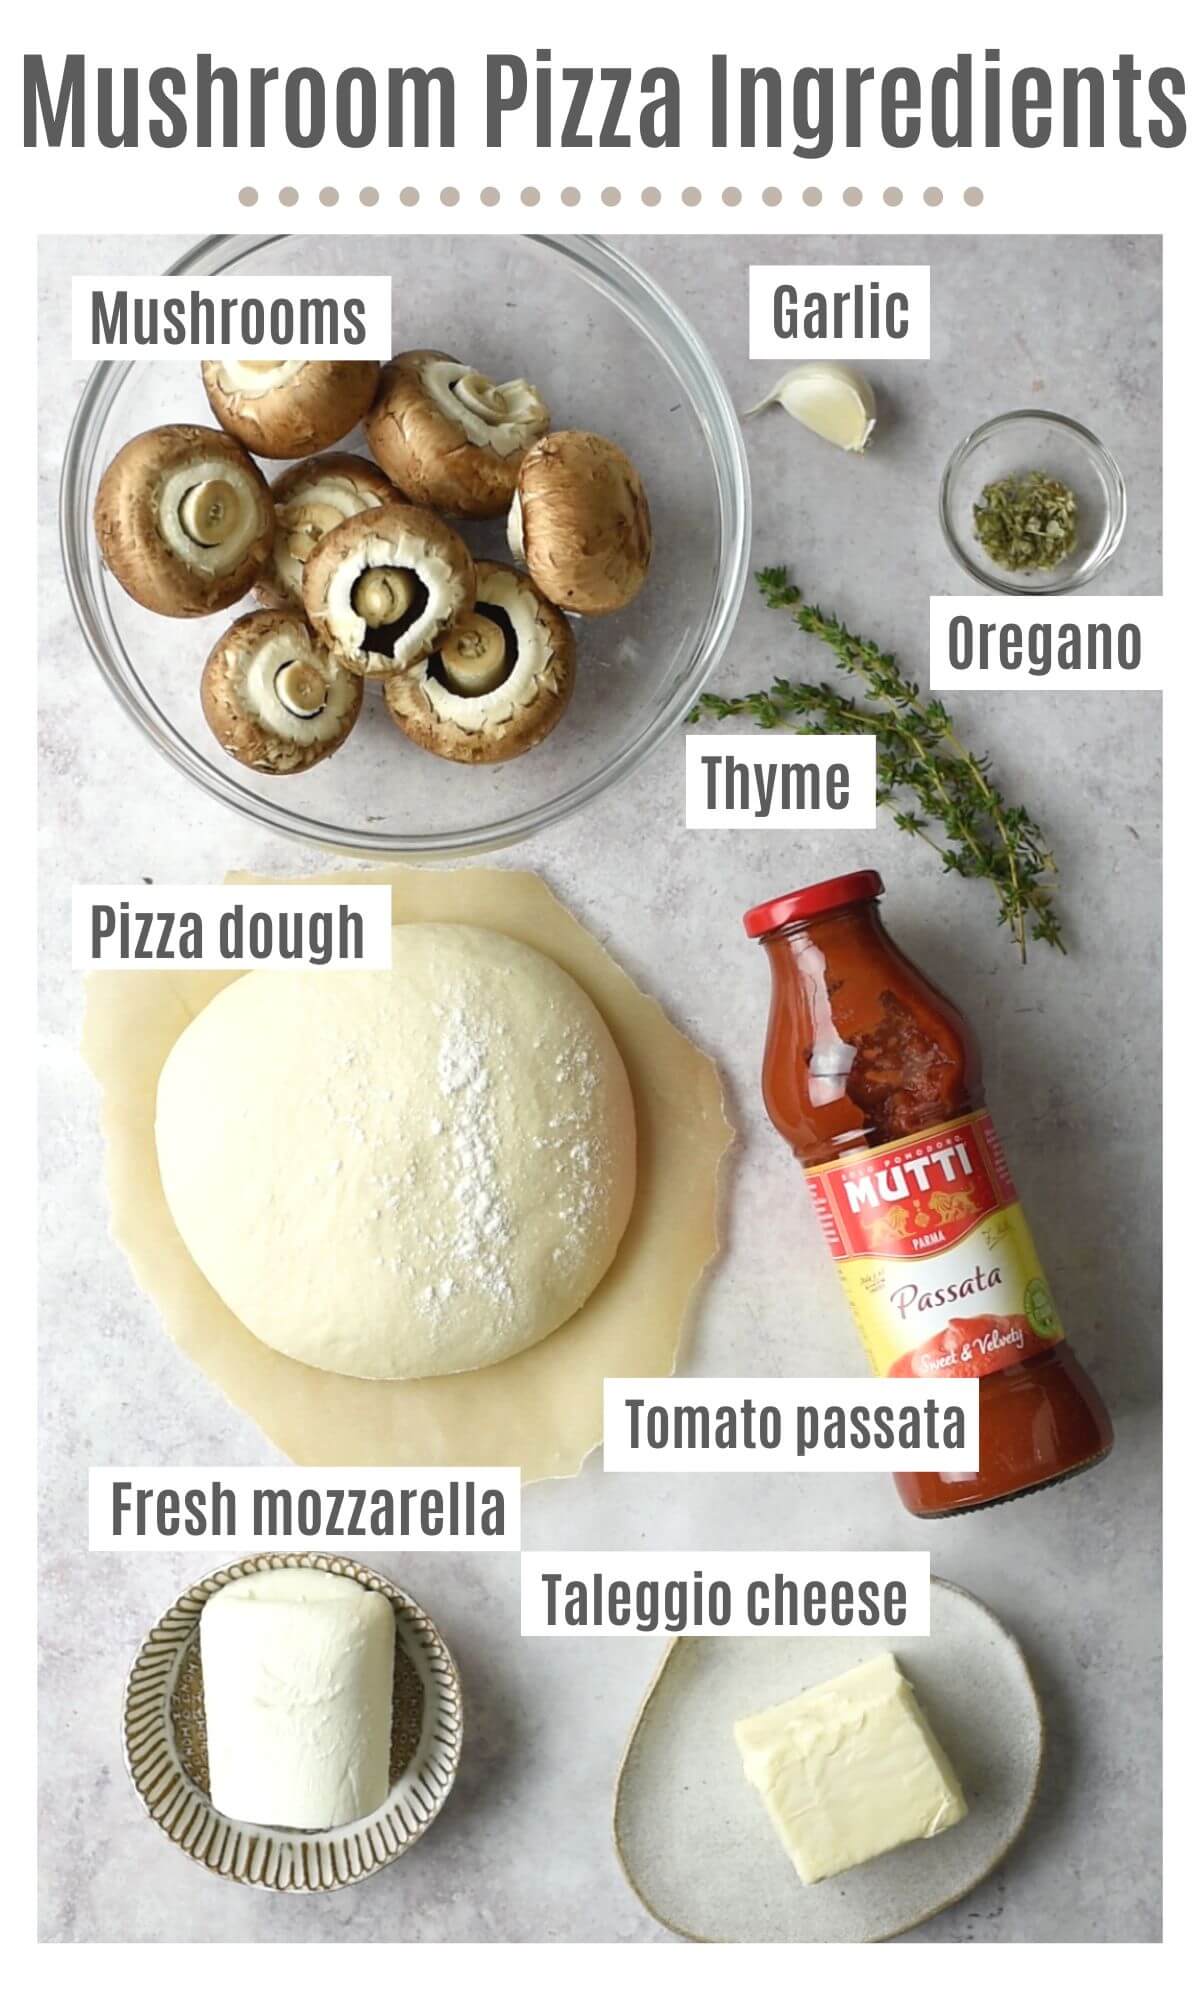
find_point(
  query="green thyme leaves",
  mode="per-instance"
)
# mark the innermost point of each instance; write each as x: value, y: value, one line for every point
x: 932, y: 784
x: 1027, y: 522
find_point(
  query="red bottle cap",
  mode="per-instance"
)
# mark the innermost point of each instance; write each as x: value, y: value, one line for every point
x: 861, y: 887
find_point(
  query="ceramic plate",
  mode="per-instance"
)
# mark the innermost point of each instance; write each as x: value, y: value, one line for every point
x: 695, y: 1841
x: 166, y: 1750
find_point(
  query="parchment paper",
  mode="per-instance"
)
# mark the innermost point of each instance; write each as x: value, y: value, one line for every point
x: 542, y: 1409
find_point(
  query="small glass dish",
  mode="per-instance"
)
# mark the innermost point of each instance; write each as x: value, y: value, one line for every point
x: 611, y: 353
x: 1023, y: 441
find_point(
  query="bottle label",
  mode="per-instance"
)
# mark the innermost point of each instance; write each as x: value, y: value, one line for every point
x: 935, y: 1253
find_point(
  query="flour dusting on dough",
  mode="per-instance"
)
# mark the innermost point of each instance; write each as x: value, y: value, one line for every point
x: 478, y: 1226
x: 405, y: 1174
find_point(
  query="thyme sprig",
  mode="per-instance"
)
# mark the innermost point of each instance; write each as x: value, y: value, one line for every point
x: 933, y: 785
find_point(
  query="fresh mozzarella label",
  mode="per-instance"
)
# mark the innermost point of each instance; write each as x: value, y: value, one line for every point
x: 348, y: 1509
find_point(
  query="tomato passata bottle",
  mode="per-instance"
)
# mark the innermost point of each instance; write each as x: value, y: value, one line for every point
x: 873, y: 1078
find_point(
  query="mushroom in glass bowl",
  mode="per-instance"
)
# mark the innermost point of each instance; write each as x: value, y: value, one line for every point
x: 580, y: 522
x: 311, y: 498
x: 499, y: 682
x: 450, y: 438
x: 382, y: 590
x: 184, y: 520
x: 289, y: 409
x: 273, y: 697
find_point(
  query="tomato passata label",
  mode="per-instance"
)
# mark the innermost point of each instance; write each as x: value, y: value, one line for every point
x: 935, y: 1253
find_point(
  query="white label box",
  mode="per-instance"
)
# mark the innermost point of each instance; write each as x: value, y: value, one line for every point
x: 302, y: 319
x: 620, y: 1593
x: 786, y: 1424
x: 779, y: 784
x: 839, y: 312
x: 338, y: 1509
x: 1070, y: 643
x: 212, y: 927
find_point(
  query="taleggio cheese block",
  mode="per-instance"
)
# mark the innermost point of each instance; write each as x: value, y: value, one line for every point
x: 297, y: 1669
x: 849, y: 1770
x: 407, y: 1173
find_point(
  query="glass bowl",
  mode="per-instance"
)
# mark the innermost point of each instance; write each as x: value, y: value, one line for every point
x: 610, y: 353
x: 1035, y: 441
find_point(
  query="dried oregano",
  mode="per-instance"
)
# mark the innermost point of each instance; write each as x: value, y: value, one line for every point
x: 925, y: 775
x: 1027, y: 522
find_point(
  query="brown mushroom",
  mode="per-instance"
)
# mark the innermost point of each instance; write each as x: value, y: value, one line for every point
x: 184, y: 520
x: 500, y: 680
x: 382, y: 590
x: 580, y: 522
x: 311, y: 498
x: 450, y: 438
x: 274, y: 698
x: 289, y: 409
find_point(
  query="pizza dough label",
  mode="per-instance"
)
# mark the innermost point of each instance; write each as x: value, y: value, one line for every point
x: 935, y: 1254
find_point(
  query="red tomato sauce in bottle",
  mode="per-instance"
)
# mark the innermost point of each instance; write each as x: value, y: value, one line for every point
x: 873, y: 1078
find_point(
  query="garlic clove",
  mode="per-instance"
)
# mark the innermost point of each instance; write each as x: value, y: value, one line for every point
x: 836, y: 403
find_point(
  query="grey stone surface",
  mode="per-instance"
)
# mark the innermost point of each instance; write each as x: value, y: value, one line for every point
x: 1072, y: 1047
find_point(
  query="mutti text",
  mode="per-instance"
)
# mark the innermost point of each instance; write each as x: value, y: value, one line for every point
x: 902, y: 1179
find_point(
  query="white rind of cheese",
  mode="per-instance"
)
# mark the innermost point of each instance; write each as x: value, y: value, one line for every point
x: 849, y: 1770
x: 297, y: 1667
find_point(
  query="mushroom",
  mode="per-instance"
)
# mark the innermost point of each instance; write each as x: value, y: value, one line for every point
x: 274, y: 698
x: 450, y: 438
x: 184, y: 520
x: 384, y: 588
x: 287, y: 409
x: 580, y: 523
x: 310, y: 499
x: 500, y: 680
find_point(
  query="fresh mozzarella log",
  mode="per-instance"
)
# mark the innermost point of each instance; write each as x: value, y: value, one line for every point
x: 297, y: 1668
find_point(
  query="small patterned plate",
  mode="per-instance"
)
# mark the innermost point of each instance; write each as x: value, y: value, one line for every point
x: 166, y: 1750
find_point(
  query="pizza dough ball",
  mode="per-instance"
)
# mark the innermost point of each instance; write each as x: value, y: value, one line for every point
x: 405, y: 1173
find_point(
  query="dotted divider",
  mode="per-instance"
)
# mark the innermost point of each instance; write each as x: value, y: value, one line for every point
x: 611, y: 197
